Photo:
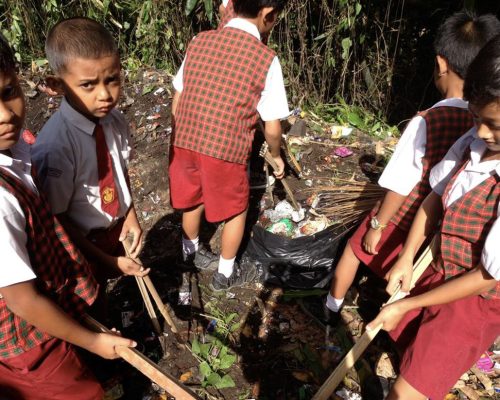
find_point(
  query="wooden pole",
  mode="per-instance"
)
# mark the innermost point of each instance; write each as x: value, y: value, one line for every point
x: 147, y: 367
x: 357, y: 350
x: 154, y: 293
x: 149, y: 305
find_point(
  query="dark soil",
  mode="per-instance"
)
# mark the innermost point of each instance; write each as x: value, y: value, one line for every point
x: 283, y: 351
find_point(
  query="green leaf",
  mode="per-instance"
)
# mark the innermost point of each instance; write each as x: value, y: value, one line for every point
x: 358, y: 9
x: 225, y: 382
x: 354, y: 119
x: 230, y: 317
x: 195, y: 346
x: 190, y: 6
x: 227, y: 361
x: 235, y: 327
x: 147, y: 89
x: 209, y: 9
x: 205, y: 350
x: 214, y: 379
x: 205, y: 369
x: 346, y: 46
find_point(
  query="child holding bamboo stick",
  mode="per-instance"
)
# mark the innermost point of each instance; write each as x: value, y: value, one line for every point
x: 457, y: 313
x: 380, y: 237
x: 45, y: 283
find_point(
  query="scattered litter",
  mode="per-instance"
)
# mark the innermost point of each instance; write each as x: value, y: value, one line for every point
x: 153, y: 117
x: 343, y: 152
x: 339, y: 131
x: 211, y: 326
x: 284, y: 227
x: 159, y: 91
x: 347, y: 394
x: 299, y: 215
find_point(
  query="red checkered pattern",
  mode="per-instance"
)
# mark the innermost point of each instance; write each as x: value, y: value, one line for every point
x: 224, y: 75
x: 444, y: 126
x: 465, y: 226
x: 62, y: 272
x: 229, y: 14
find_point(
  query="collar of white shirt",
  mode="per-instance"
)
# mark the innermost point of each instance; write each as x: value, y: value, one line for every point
x: 78, y: 120
x: 478, y: 147
x: 244, y: 25
x: 20, y: 159
x: 452, y: 102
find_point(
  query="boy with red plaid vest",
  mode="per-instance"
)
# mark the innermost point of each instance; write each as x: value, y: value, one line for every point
x: 45, y: 283
x: 82, y: 152
x: 428, y: 136
x: 227, y: 80
x: 456, y: 305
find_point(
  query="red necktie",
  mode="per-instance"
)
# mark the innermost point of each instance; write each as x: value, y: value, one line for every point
x: 107, y: 186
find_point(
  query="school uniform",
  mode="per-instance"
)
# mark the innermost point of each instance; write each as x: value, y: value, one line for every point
x: 452, y: 336
x: 423, y: 144
x: 227, y: 80
x: 229, y: 13
x: 66, y: 158
x: 34, y: 246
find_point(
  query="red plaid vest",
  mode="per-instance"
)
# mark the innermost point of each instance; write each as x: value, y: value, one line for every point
x: 224, y: 75
x: 229, y: 14
x: 62, y: 273
x: 465, y: 226
x: 444, y: 126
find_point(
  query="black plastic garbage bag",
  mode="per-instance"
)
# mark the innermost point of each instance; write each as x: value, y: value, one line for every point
x: 302, y: 263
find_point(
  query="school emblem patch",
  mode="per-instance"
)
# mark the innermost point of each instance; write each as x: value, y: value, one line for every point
x: 108, y: 195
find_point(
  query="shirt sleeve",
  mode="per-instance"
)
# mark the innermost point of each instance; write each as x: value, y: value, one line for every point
x: 55, y: 171
x: 445, y: 169
x: 490, y: 257
x: 273, y: 103
x: 408, y: 158
x: 178, y: 78
x: 15, y: 266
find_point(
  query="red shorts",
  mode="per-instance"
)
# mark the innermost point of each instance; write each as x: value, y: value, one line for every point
x: 450, y: 339
x: 390, y: 245
x: 196, y: 179
x: 51, y: 371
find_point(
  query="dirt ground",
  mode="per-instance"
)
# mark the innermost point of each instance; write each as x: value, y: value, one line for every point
x: 281, y: 350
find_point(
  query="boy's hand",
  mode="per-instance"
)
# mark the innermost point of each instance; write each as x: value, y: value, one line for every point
x: 401, y: 272
x: 105, y: 345
x: 280, y: 172
x: 389, y: 317
x: 371, y: 239
x: 132, y: 229
x: 129, y: 267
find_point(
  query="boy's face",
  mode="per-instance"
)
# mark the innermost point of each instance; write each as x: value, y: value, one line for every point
x: 487, y: 121
x: 12, y: 109
x: 92, y: 87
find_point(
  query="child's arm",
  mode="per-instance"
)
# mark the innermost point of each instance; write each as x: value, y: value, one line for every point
x: 126, y: 265
x: 425, y: 222
x: 471, y: 283
x: 272, y: 133
x: 25, y: 301
x: 391, y: 204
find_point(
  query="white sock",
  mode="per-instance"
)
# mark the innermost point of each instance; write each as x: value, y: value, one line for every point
x: 190, y: 246
x: 333, y: 304
x: 226, y: 267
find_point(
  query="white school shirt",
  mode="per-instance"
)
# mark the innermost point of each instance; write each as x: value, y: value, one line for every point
x: 404, y: 169
x: 64, y: 155
x: 225, y: 3
x: 273, y: 103
x: 15, y: 266
x: 474, y: 173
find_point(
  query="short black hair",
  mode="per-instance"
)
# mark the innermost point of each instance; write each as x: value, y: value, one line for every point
x: 461, y: 36
x: 77, y: 37
x: 482, y: 83
x: 251, y: 8
x: 7, y: 59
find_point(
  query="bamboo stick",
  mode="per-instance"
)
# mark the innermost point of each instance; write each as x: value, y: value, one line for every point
x: 357, y: 350
x: 147, y: 367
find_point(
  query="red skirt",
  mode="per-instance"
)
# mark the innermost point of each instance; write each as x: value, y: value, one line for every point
x: 51, y: 371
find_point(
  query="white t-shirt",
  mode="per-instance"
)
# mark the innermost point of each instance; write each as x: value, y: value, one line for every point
x: 273, y: 103
x: 65, y: 159
x: 407, y: 158
x: 15, y: 266
x: 474, y: 173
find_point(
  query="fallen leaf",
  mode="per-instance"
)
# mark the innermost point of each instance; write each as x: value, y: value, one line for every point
x: 186, y: 376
